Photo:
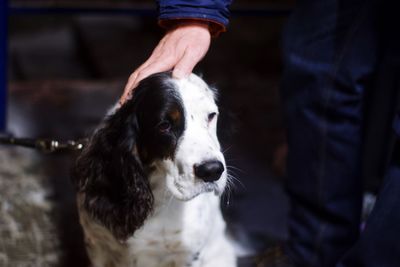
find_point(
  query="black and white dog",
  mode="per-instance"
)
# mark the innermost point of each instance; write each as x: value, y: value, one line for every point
x: 149, y: 181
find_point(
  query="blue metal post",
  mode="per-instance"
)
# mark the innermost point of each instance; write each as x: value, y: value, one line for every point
x: 3, y: 63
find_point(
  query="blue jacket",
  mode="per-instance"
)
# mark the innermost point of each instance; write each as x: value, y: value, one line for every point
x: 208, y: 10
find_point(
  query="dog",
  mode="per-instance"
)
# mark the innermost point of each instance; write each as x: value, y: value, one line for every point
x: 150, y: 179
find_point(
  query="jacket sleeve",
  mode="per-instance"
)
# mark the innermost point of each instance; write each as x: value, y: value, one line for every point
x: 215, y: 12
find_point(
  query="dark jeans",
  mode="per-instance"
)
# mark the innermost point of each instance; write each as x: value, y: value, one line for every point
x: 332, y: 50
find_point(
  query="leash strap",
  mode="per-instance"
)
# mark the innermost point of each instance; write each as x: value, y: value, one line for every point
x: 44, y: 145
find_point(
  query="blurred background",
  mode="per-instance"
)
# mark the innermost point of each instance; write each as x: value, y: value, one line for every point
x: 67, y: 64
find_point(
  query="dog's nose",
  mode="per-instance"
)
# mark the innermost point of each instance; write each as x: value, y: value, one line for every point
x: 209, y: 171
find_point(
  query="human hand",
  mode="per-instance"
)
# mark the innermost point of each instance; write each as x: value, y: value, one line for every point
x: 180, y: 49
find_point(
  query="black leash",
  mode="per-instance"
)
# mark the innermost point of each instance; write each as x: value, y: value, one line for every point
x: 43, y: 144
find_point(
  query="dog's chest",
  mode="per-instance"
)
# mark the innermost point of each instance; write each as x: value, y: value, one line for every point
x: 176, y: 235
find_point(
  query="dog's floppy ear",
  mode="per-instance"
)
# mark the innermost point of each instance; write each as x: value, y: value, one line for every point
x: 110, y: 176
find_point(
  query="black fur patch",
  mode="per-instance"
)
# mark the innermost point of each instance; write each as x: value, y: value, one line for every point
x: 158, y: 104
x: 111, y: 171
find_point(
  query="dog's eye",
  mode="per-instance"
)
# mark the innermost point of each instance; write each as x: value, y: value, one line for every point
x: 211, y: 116
x: 164, y: 126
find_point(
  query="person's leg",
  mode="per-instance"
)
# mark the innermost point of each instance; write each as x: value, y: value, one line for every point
x: 378, y: 245
x: 330, y: 55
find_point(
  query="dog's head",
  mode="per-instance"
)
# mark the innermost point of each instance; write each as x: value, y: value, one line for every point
x: 166, y: 131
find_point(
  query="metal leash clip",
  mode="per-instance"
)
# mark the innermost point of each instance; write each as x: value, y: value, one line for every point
x: 44, y: 145
x: 50, y: 146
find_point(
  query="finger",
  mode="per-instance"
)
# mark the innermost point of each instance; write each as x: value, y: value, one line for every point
x: 128, y: 87
x: 153, y: 57
x: 133, y: 79
x: 186, y: 64
x: 159, y: 65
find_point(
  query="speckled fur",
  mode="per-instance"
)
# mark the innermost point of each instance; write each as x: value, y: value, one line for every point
x: 185, y: 227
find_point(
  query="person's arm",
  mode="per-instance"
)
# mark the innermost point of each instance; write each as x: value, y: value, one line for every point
x: 189, y: 25
x: 213, y: 12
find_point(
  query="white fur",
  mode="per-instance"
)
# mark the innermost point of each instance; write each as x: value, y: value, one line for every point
x: 186, y: 227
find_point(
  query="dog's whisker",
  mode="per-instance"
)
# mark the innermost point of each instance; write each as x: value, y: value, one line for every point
x: 232, y: 172
x: 231, y: 159
x: 232, y: 179
x: 227, y: 194
x: 235, y: 168
x: 227, y: 149
x: 232, y: 186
